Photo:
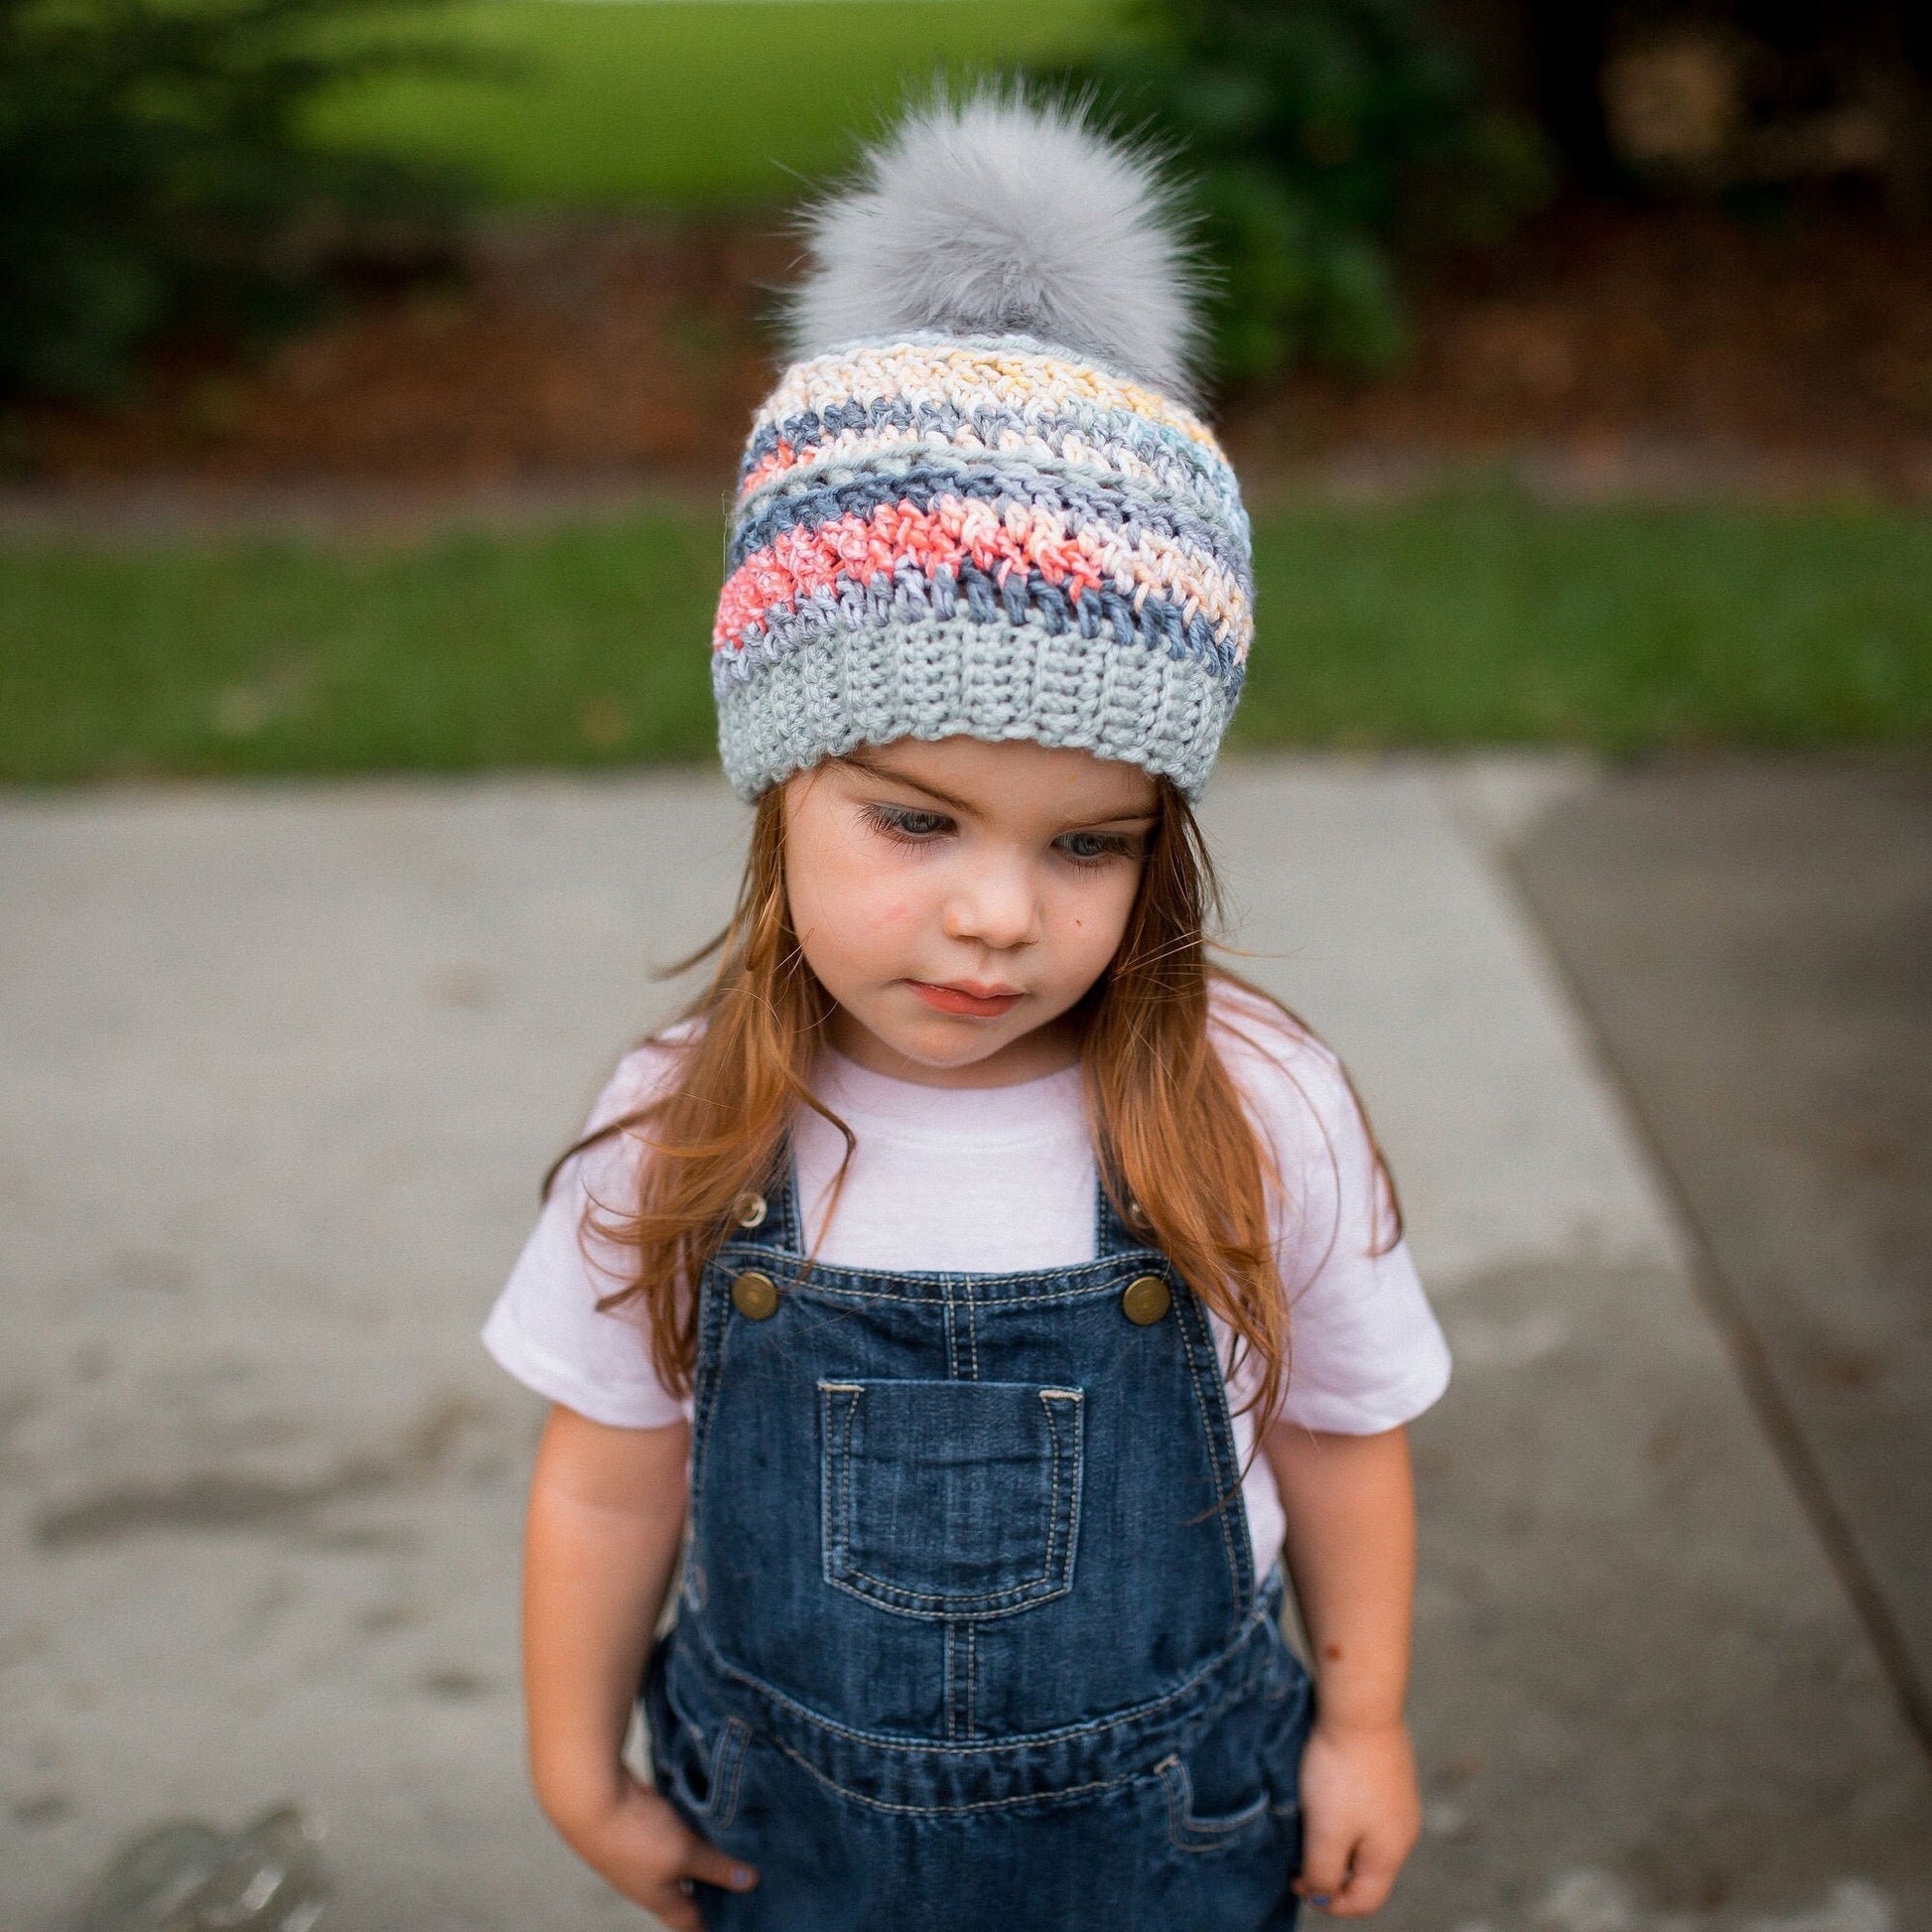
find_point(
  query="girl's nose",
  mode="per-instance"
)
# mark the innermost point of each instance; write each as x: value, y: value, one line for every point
x: 997, y: 908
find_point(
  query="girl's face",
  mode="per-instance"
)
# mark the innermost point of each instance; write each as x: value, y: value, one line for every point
x: 956, y: 898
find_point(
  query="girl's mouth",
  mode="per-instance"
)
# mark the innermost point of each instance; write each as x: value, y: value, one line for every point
x: 957, y: 998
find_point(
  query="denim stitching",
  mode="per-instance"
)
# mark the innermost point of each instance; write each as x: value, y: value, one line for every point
x: 1241, y: 1597
x: 1214, y: 1450
x: 984, y: 1608
x: 950, y: 1811
x: 1047, y: 1398
x: 843, y: 1535
x: 731, y: 1751
x: 1133, y: 1714
x: 1052, y: 1484
x: 972, y: 1666
x: 709, y: 1373
x: 820, y: 1290
x: 952, y: 1721
x: 829, y: 1279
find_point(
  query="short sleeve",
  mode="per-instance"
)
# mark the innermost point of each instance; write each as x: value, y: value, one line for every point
x: 1365, y: 1350
x: 546, y: 1328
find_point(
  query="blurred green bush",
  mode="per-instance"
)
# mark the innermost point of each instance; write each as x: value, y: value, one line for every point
x: 155, y: 173
x: 1332, y: 142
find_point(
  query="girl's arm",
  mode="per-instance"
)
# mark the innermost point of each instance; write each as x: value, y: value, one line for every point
x: 607, y: 1512
x: 1351, y: 1550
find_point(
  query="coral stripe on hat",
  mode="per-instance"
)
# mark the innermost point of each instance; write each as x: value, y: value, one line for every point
x: 955, y: 530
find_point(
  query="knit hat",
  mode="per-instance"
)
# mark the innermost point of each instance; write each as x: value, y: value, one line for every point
x: 978, y: 502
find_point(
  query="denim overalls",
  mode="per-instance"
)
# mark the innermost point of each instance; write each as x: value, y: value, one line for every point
x: 962, y: 1643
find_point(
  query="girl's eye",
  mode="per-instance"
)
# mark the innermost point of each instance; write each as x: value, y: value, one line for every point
x: 1093, y: 848
x: 906, y: 823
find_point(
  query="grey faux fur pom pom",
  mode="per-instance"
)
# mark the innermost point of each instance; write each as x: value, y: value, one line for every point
x: 1009, y: 215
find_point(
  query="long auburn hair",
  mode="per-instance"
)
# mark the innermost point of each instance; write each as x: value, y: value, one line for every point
x: 1178, y: 1154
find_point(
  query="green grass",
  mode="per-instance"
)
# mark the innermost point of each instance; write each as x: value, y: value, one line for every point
x: 1448, y: 622
x: 690, y: 102
x: 1487, y: 618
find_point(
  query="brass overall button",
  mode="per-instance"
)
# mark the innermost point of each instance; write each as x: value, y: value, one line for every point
x: 748, y: 1210
x: 1146, y: 1299
x: 755, y: 1296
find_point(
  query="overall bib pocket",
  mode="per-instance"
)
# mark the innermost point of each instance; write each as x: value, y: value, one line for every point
x: 950, y: 1499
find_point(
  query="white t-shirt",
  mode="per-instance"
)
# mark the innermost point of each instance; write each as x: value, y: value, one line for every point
x: 1001, y: 1180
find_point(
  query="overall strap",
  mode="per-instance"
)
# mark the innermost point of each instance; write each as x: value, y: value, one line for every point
x: 1116, y: 1236
x: 779, y: 1224
x: 1111, y: 1234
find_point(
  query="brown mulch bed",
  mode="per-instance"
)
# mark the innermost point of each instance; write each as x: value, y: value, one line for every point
x: 559, y: 349
x: 632, y: 348
x: 1623, y: 335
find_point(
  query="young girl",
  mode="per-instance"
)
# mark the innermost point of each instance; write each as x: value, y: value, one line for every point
x: 996, y: 1288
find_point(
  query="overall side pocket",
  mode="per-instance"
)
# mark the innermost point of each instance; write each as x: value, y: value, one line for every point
x: 695, y: 1757
x: 1190, y: 1831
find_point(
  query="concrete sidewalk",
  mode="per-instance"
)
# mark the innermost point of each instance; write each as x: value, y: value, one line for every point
x: 279, y: 1069
x: 1753, y: 940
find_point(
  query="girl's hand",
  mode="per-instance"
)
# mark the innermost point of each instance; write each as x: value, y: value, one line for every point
x: 1361, y: 1815
x: 640, y: 1846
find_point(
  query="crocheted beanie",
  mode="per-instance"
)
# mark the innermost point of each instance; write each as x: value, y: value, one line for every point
x: 978, y: 502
